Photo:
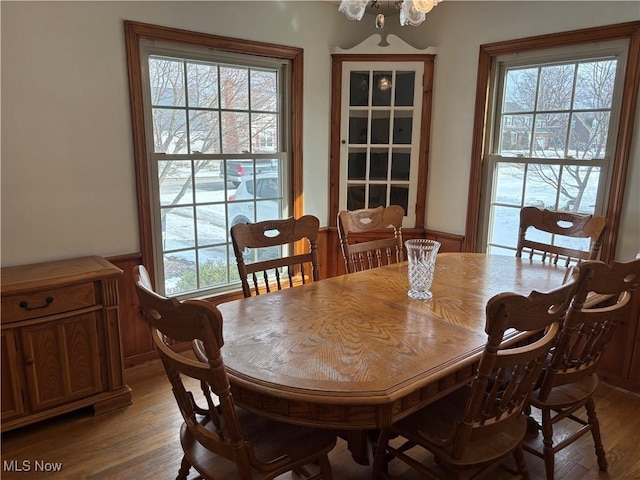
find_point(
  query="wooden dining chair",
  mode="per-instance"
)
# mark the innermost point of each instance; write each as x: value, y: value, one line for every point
x: 258, y: 250
x: 569, y: 380
x: 371, y: 253
x: 471, y: 431
x: 535, y: 222
x: 216, y: 435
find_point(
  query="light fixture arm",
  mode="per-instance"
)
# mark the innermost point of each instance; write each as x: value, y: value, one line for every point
x: 412, y: 12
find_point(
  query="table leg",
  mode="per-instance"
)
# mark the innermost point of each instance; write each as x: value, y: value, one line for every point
x: 361, y: 444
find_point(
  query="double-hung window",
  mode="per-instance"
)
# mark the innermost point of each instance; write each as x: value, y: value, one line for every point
x: 552, y: 130
x: 216, y: 129
x: 551, y: 147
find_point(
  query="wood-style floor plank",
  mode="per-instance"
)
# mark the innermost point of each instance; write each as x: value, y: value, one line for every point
x: 140, y: 441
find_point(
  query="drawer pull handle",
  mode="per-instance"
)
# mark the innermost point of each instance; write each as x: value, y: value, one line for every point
x: 25, y: 305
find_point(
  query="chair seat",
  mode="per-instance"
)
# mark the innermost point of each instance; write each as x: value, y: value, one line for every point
x: 271, y: 441
x: 436, y: 422
x: 567, y: 395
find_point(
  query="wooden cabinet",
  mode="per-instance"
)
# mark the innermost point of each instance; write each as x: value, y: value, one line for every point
x: 60, y: 346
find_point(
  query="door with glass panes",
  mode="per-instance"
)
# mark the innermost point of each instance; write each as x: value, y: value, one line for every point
x: 380, y: 135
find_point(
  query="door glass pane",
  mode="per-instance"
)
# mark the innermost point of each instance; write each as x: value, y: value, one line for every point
x: 380, y: 122
x: 359, y: 89
x: 382, y: 87
x: 405, y: 85
x: 399, y: 195
x: 400, y: 164
x: 379, y: 162
x: 379, y: 165
x: 377, y: 196
x: 355, y: 197
x: 357, y: 164
x: 402, y: 125
x: 358, y: 127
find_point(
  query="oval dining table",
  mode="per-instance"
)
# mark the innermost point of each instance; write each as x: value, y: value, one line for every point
x: 355, y: 353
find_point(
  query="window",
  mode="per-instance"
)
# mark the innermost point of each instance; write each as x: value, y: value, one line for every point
x: 551, y: 147
x: 552, y: 128
x: 215, y: 147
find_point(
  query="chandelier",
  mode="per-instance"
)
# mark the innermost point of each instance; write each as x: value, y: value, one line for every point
x: 412, y: 12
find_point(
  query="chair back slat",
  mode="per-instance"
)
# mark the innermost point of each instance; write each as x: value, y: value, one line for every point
x: 559, y: 224
x: 285, y: 271
x: 370, y: 254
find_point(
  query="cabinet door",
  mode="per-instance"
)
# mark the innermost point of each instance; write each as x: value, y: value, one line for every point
x: 12, y: 404
x: 62, y: 361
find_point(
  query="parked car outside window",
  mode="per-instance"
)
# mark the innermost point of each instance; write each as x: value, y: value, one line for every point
x: 256, y: 199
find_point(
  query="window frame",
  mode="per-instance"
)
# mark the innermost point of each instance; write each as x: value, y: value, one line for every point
x: 623, y: 137
x: 135, y: 33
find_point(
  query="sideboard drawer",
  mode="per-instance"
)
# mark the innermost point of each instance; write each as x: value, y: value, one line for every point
x: 47, y: 302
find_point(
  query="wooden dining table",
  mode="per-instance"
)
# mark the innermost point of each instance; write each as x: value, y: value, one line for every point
x: 354, y: 352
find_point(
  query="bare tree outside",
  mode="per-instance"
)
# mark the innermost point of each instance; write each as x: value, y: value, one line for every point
x: 201, y: 113
x: 559, y: 112
x: 554, y: 121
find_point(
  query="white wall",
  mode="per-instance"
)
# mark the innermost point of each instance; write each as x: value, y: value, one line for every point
x: 68, y: 181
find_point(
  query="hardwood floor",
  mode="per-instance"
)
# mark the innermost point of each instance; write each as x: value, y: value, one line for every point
x: 140, y: 442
